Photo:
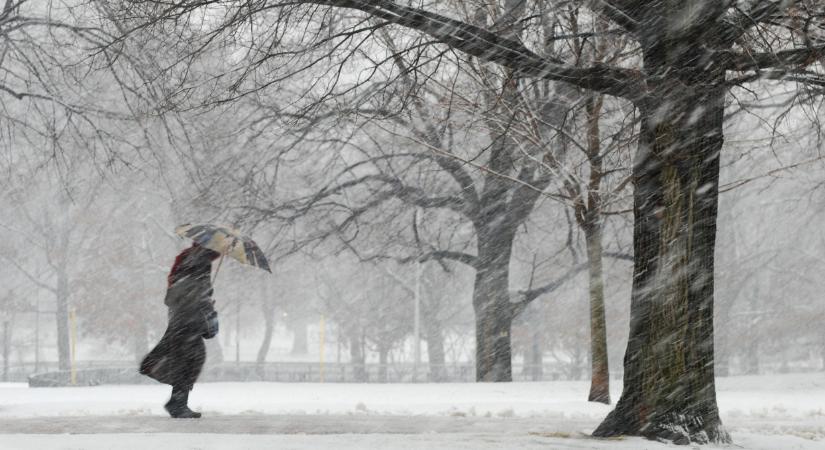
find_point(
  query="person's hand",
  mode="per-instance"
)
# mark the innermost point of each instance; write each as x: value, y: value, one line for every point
x: 211, y: 325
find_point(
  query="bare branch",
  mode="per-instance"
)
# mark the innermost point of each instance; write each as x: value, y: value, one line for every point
x: 615, y: 13
x: 437, y: 255
x: 33, y: 278
x: 743, y: 21
x: 789, y: 60
x: 523, y: 298
x: 491, y: 47
x: 618, y: 255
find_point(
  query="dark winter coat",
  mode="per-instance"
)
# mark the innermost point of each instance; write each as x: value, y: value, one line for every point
x: 179, y: 356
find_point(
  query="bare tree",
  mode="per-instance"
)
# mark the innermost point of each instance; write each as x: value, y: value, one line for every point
x: 440, y: 290
x: 374, y: 313
x: 54, y: 236
x: 689, y: 55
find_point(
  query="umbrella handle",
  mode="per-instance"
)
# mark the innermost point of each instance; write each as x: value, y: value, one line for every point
x: 218, y: 269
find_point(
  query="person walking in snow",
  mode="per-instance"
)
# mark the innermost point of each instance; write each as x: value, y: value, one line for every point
x: 178, y: 358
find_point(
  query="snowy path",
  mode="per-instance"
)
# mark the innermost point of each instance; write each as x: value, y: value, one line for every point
x: 284, y: 424
x: 487, y: 441
x: 761, y: 412
x: 331, y: 432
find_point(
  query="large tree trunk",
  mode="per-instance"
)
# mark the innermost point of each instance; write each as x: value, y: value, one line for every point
x: 496, y: 223
x: 599, y: 372
x: 669, y: 390
x: 493, y: 310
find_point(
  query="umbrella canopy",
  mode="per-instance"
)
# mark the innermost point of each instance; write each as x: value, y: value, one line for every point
x: 226, y: 241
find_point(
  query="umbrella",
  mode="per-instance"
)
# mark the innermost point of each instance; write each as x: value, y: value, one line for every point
x: 226, y: 241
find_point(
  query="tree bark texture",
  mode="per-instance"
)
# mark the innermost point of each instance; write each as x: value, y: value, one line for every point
x: 669, y: 391
x: 591, y: 223
x: 599, y: 368
x: 493, y: 310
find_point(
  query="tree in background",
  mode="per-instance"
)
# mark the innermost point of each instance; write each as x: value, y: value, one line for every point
x: 120, y: 296
x: 376, y: 314
x: 65, y: 124
x: 54, y: 240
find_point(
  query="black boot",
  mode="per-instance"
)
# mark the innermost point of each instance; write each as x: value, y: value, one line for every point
x: 177, y: 405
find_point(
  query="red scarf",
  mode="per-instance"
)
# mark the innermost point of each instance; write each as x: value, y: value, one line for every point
x: 176, y: 267
x: 182, y: 262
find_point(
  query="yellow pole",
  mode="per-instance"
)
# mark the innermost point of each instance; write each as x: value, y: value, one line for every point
x: 321, y: 331
x: 73, y: 340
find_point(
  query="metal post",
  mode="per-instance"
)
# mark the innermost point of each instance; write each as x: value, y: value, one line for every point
x: 417, y: 313
x: 322, y: 339
x: 73, y: 340
x: 417, y: 326
x: 338, y: 345
x: 37, y: 334
x: 6, y: 350
x: 238, y: 333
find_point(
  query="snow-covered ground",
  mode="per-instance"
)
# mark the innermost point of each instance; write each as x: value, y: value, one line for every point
x: 762, y: 412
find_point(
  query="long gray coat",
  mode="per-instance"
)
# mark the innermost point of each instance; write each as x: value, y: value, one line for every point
x: 179, y: 356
